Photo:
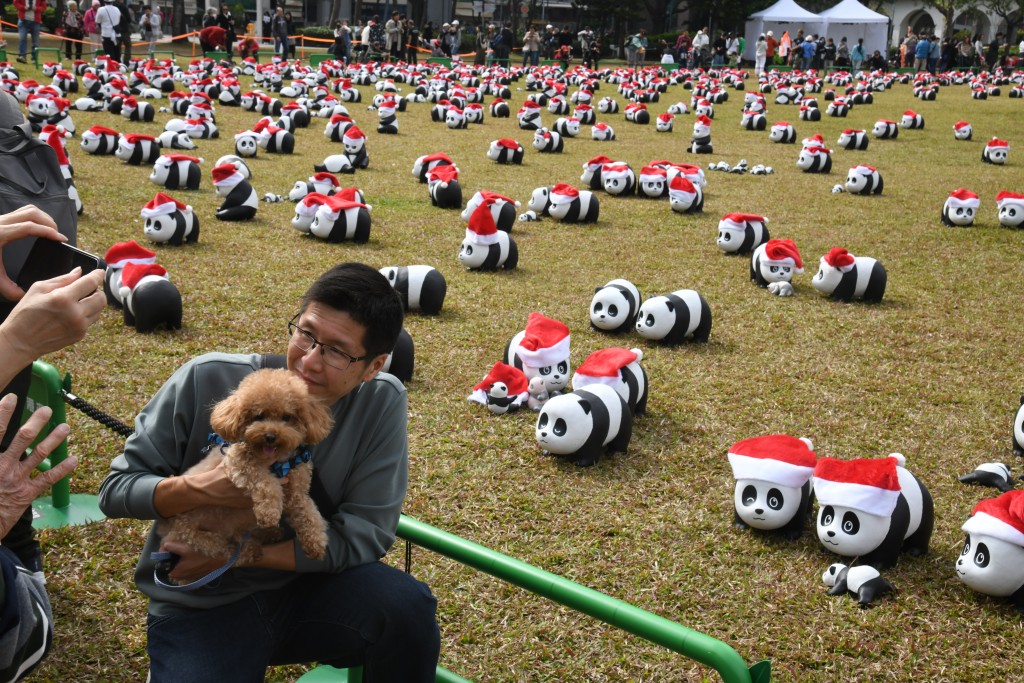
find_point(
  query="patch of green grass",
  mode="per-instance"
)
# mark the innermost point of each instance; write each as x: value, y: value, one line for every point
x: 932, y: 372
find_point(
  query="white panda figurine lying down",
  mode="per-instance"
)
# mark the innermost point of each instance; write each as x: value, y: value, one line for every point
x: 579, y: 424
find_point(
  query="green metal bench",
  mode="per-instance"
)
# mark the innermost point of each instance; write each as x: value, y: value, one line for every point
x: 216, y: 55
x: 55, y: 51
x: 317, y: 57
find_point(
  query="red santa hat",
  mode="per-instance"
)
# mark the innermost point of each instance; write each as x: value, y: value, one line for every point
x: 337, y: 205
x: 545, y: 342
x: 340, y: 118
x: 482, y: 229
x: 737, y: 222
x: 227, y: 174
x: 815, y: 140
x: 133, y: 273
x: 616, y: 169
x: 605, y: 367
x: 309, y: 204
x: 960, y: 125
x: 817, y: 150
x: 123, y: 253
x: 601, y: 126
x: 163, y: 205
x: 776, y: 458
x: 852, y: 131
x: 996, y: 143
x: 870, y: 485
x: 703, y: 120
x: 325, y: 178
x: 863, y: 170
x: 386, y: 108
x: 784, y: 253
x: 1006, y: 197
x: 961, y: 198
x: 839, y: 258
x: 563, y: 193
x: 442, y: 174
x: 511, y: 376
x: 911, y: 113
x: 681, y: 189
x: 169, y: 159
x: 597, y: 162
x: 665, y: 117
x: 354, y: 136
x: 507, y: 143
x: 650, y: 174
x: 1001, y: 518
x: 583, y: 107
x: 529, y: 105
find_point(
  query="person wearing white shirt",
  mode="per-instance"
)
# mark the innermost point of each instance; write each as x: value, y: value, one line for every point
x: 108, y: 17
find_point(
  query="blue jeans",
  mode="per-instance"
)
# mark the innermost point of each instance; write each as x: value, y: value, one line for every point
x: 531, y: 57
x: 26, y: 26
x: 373, y: 615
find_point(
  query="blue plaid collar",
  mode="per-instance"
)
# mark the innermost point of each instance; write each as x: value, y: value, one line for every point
x: 303, y: 454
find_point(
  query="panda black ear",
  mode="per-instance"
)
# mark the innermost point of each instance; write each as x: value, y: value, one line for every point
x: 585, y: 405
x: 1022, y: 399
x: 670, y: 306
x: 598, y: 289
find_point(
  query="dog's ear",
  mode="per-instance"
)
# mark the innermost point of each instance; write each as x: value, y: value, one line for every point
x: 228, y: 419
x: 317, y: 419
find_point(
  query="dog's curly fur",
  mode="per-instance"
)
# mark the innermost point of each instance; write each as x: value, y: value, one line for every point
x: 269, y: 412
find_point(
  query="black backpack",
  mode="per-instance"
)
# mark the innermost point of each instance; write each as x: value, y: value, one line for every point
x: 124, y: 27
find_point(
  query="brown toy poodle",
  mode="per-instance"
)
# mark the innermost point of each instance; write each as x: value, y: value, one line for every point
x: 270, y: 412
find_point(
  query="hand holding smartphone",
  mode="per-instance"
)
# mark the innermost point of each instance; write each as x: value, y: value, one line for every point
x: 49, y: 259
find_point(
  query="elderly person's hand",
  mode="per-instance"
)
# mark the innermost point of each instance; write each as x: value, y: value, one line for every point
x: 28, y: 221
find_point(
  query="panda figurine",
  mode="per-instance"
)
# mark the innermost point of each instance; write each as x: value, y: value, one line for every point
x: 683, y: 315
x: 773, y: 264
x: 838, y: 108
x: 240, y: 199
x: 504, y: 389
x: 741, y: 233
x: 238, y: 163
x: 547, y: 141
x: 485, y: 247
x: 567, y: 127
x: 341, y: 219
x: 505, y: 151
x: 402, y: 360
x: 134, y: 110
x: 992, y: 559
x: 100, y: 140
x: 885, y: 130
x: 584, y: 113
x: 149, y: 299
x: 911, y: 120
x: 1011, y: 209
x: 864, y: 581
x: 335, y: 163
x: 700, y: 140
x: 247, y: 144
x: 608, y: 105
x: 355, y: 147
x: 455, y: 118
x: 540, y: 201
x: 815, y: 159
x: 175, y: 139
x: 773, y: 483
x: 852, y: 138
x: 502, y: 208
x: 570, y: 205
x: 592, y: 171
x: 619, y: 369
x: 872, y: 509
x: 652, y: 182
x: 444, y: 188
x: 995, y: 152
x: 1018, y: 430
x: 421, y: 288
x: 618, y: 179
x: 809, y: 113
x: 580, y: 424
x: 170, y: 221
x: 663, y: 124
x: 542, y: 350
x: 602, y: 132
x: 962, y: 131
x: 684, y: 195
x: 500, y: 109
x: 336, y: 127
x: 994, y: 474
x: 614, y: 306
x: 960, y: 208
x: 426, y: 163
x: 177, y: 172
x: 864, y: 180
x: 637, y: 113
x: 273, y: 139
x: 305, y: 210
x: 137, y: 149
x: 845, y: 277
x: 528, y: 116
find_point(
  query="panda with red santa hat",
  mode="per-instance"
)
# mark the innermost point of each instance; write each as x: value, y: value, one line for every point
x: 503, y: 390
x: 853, y: 139
x: 177, y: 172
x: 684, y: 195
x: 169, y: 221
x: 592, y: 171
x: 773, y: 265
x: 355, y: 147
x: 960, y: 208
x: 502, y: 208
x: 137, y: 149
x: 782, y: 133
x: 273, y: 139
x: 571, y: 205
x: 618, y: 179
x: 305, y: 210
x: 995, y: 152
x: 619, y: 369
x: 1011, y: 209
x: 341, y: 219
x: 150, y: 300
x: 100, y: 140
x: 864, y: 180
x: 485, y: 247
x: 117, y: 257
x: 962, y: 130
x: 425, y: 163
x: 240, y: 199
x: 845, y: 277
x: 505, y: 151
x: 773, y: 483
x: 541, y: 349
x: 741, y: 233
x: 991, y: 561
x: 444, y: 188
x: 700, y: 140
x: 652, y: 182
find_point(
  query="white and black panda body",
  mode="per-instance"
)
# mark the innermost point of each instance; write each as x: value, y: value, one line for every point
x: 401, y: 362
x: 240, y: 202
x: 503, y: 212
x: 1018, y: 430
x: 335, y: 163
x: 864, y: 184
x: 993, y: 566
x: 487, y: 257
x: 175, y: 139
x: 864, y: 581
x: 580, y: 424
x: 281, y: 142
x: 814, y: 160
x: 619, y: 184
x: 153, y: 303
x: 755, y: 234
x: 614, y: 307
x: 539, y: 202
x: 701, y: 145
x: 584, y: 208
x: 421, y: 287
x: 143, y: 111
x: 886, y: 130
x: 683, y: 315
x: 505, y: 155
x: 782, y: 134
x: 174, y: 229
x: 350, y: 225
x: 959, y: 216
x: 142, y: 152
x: 177, y: 175
x: 764, y: 275
x: 866, y: 280
x: 770, y: 506
x: 853, y: 140
x: 99, y: 144
x: 548, y: 141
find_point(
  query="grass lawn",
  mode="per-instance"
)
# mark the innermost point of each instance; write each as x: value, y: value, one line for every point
x: 933, y: 372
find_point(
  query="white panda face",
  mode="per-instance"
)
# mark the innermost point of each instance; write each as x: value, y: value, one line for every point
x: 40, y: 106
x: 353, y: 147
x: 655, y: 319
x: 880, y: 128
x: 959, y: 215
x: 322, y: 225
x: 856, y: 182
x: 494, y: 152
x: 560, y: 211
x: 246, y: 146
x: 302, y: 222
x: 805, y: 160
x: 991, y: 566
x: 850, y: 533
x: 572, y: 127
x: 159, y: 174
x: 997, y: 155
x: 564, y: 424
x: 498, y: 390
x: 160, y: 228
x: 472, y: 255
x: 653, y: 188
x: 91, y: 144
x: 776, y: 272
x: 609, y: 309
x: 454, y: 119
x: 555, y: 377
x: 766, y: 506
x: 778, y: 134
x: 827, y: 278
x: 962, y: 133
x: 391, y: 273
x: 614, y: 184
x: 539, y: 200
x: 730, y: 240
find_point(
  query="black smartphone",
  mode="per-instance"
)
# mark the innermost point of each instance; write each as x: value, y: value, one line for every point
x: 48, y: 259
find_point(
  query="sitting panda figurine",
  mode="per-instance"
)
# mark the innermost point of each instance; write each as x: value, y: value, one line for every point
x: 240, y: 199
x: 341, y: 219
x: 815, y: 159
x: 995, y: 152
x: 504, y: 389
x: 355, y: 147
x: 683, y: 315
x: 992, y: 559
x: 580, y: 424
x: 845, y: 277
x: 773, y: 483
x: 684, y: 196
x: 541, y: 349
x: 652, y: 182
x: 773, y: 264
x: 336, y: 126
x: 614, y: 306
x: 528, y: 116
x: 741, y: 233
x: 864, y: 581
x: 619, y: 369
x: 962, y: 130
x: 444, y: 188
x: 782, y: 133
x: 421, y: 288
x: 885, y: 130
x: 960, y: 208
x: 170, y: 221
x: 663, y: 124
x: 852, y: 138
x: 872, y: 509
x: 505, y: 151
x: 700, y: 141
x: 486, y: 247
x: 1011, y: 209
x: 864, y: 180
x: 570, y: 205
x: 177, y: 172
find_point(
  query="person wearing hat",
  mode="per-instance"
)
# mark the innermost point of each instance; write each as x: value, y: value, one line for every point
x: 346, y: 609
x: 108, y: 18
x: 773, y: 47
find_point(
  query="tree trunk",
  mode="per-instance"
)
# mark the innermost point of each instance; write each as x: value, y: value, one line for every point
x: 178, y: 9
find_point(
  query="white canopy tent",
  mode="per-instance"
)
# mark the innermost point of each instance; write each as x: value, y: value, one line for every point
x: 853, y: 20
x: 785, y: 15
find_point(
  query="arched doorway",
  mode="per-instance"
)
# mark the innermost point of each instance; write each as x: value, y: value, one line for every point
x: 973, y: 22
x: 919, y: 22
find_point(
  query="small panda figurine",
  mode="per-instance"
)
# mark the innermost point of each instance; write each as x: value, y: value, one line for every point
x: 170, y: 221
x: 809, y: 113
x: 336, y: 127
x: 570, y: 205
x: 134, y: 110
x: 652, y: 182
x: 774, y: 263
x: 247, y: 144
x: 175, y: 139
x: 240, y: 199
x: 444, y: 188
x: 614, y: 306
x: 962, y: 131
x: 845, y: 277
x: 547, y: 141
x: 753, y: 120
x: 149, y: 299
x: 540, y: 201
x: 663, y: 123
x: 542, y: 350
x: 137, y: 149
x: 864, y: 581
x: 355, y: 147
x: 838, y: 108
x: 684, y: 196
x: 567, y: 127
x: 608, y: 105
x: 911, y: 120
x: 864, y: 180
x: 387, y: 121
x: 960, y: 208
x: 741, y: 233
x: 538, y: 394
x: 885, y: 130
x: 238, y: 163
x: 637, y: 113
x: 504, y: 389
x: 678, y: 108
x: 402, y: 360
x: 872, y: 509
x: 619, y: 369
x: 580, y: 424
x: 500, y: 109
x: 584, y: 113
x: 502, y: 208
x: 426, y: 163
x: 815, y: 160
x: 305, y: 210
x: 700, y: 141
x: 273, y: 139
x: 486, y: 247
x: 852, y: 138
x: 992, y: 559
x: 421, y: 288
x: 455, y: 118
x: 558, y: 105
x: 335, y: 163
x: 602, y: 132
x: 618, y: 179
x: 100, y: 140
x: 177, y: 172
x: 1011, y: 209
x: 505, y: 151
x: 994, y: 474
x: 773, y: 483
x: 683, y: 315
x: 592, y: 171
x: 341, y: 219
x: 995, y: 152
x: 528, y: 116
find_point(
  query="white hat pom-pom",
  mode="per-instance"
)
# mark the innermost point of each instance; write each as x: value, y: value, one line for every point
x: 808, y: 442
x: 639, y: 354
x: 901, y: 461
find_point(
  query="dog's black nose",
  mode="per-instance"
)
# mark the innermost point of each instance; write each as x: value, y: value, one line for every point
x: 270, y: 438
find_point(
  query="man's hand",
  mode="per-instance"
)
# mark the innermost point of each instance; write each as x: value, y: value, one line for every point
x: 190, y: 566
x: 175, y: 495
x: 28, y: 221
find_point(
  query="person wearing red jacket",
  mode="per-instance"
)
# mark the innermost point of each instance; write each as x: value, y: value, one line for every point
x: 212, y: 38
x: 30, y: 15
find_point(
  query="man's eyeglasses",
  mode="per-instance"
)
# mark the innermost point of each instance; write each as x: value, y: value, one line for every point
x: 305, y: 342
